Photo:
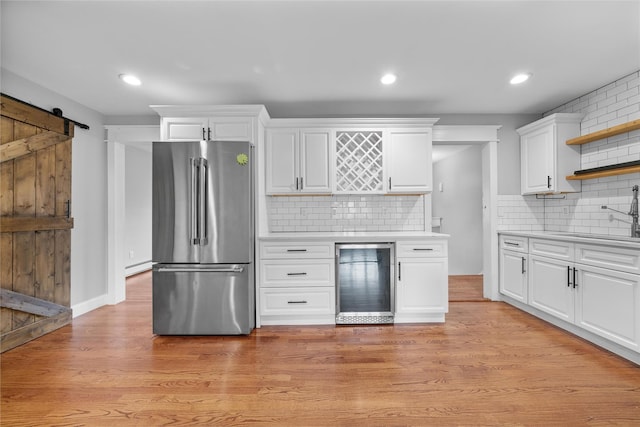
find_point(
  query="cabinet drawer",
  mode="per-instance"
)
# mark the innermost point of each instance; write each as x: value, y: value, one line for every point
x: 621, y: 259
x: 514, y: 243
x: 297, y: 301
x: 552, y: 248
x: 431, y: 248
x: 312, y: 272
x: 274, y: 250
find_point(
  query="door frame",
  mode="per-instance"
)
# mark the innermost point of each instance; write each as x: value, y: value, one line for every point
x: 117, y: 138
x: 485, y: 136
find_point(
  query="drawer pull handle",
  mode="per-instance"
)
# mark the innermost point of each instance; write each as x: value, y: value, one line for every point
x: 512, y: 244
x: 422, y: 249
x: 296, y: 250
x: 297, y: 302
x: 296, y: 274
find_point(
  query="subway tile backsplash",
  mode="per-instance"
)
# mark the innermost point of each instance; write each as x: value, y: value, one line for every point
x: 611, y: 105
x: 345, y: 213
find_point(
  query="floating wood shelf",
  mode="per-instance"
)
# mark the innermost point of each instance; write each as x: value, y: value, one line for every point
x: 602, y: 174
x: 605, y: 133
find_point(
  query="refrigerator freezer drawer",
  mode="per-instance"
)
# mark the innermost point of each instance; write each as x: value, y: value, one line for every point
x: 203, y: 299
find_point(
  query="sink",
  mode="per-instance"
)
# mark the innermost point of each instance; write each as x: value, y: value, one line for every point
x: 596, y: 236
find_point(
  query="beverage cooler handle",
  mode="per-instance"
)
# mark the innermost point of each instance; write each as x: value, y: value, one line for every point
x: 193, y: 202
x: 202, y: 201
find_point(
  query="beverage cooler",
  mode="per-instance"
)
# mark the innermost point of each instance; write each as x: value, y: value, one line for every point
x: 365, y: 282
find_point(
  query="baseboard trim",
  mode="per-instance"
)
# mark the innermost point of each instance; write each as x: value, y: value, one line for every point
x: 90, y: 305
x: 138, y: 268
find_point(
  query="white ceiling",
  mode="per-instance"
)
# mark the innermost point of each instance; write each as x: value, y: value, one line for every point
x: 322, y: 58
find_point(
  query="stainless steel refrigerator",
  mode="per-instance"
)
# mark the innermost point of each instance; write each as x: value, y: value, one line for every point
x: 203, y: 238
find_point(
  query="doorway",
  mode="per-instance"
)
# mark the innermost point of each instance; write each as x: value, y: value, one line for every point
x: 457, y: 211
x: 464, y: 205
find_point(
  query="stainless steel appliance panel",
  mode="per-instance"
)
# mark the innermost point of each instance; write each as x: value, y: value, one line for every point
x: 228, y: 204
x: 173, y: 196
x: 203, y: 299
x: 203, y: 202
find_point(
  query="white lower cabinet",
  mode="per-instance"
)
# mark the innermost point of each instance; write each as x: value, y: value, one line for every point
x: 297, y: 301
x: 564, y: 283
x: 514, y: 268
x: 421, y: 286
x: 550, y: 287
x: 297, y: 283
x: 608, y: 304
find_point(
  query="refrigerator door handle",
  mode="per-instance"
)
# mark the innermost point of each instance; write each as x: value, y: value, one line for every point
x: 193, y: 201
x: 202, y: 201
x: 200, y: 270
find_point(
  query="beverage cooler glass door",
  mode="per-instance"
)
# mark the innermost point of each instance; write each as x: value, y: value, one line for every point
x: 365, y: 283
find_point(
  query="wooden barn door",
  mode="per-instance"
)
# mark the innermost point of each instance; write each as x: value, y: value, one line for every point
x: 35, y: 222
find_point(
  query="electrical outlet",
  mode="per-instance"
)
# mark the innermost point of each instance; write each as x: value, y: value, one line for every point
x: 131, y: 254
x: 565, y: 210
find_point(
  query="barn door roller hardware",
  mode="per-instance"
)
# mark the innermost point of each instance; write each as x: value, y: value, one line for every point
x: 56, y: 112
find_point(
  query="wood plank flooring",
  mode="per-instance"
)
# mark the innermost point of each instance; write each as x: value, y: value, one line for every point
x: 466, y: 288
x: 488, y: 364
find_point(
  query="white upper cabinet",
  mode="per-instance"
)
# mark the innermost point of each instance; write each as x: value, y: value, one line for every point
x: 282, y: 161
x: 545, y: 159
x: 298, y: 161
x: 315, y: 161
x: 348, y: 156
x: 183, y: 128
x: 409, y: 163
x: 207, y: 128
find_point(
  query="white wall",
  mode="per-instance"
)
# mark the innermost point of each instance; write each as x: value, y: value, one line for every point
x: 137, y: 205
x: 611, y: 105
x: 459, y: 204
x: 88, y: 189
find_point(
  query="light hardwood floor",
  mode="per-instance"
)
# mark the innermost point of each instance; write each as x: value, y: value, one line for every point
x: 466, y: 288
x: 488, y: 364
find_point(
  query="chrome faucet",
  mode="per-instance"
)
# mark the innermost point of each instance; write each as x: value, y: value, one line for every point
x: 633, y: 213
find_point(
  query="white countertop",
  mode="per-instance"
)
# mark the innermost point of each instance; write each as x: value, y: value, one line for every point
x: 596, y: 239
x: 354, y: 236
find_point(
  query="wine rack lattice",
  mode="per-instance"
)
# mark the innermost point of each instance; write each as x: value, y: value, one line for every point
x: 359, y: 161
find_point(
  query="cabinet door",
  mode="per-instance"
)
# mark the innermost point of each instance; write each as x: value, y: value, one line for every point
x: 409, y: 169
x: 608, y: 303
x: 231, y: 129
x: 537, y: 161
x: 315, y: 152
x: 551, y: 286
x: 183, y: 128
x: 513, y: 275
x: 282, y: 165
x: 422, y: 286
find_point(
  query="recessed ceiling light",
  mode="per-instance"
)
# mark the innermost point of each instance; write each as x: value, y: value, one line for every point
x: 388, y: 79
x: 130, y: 79
x: 520, y: 78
